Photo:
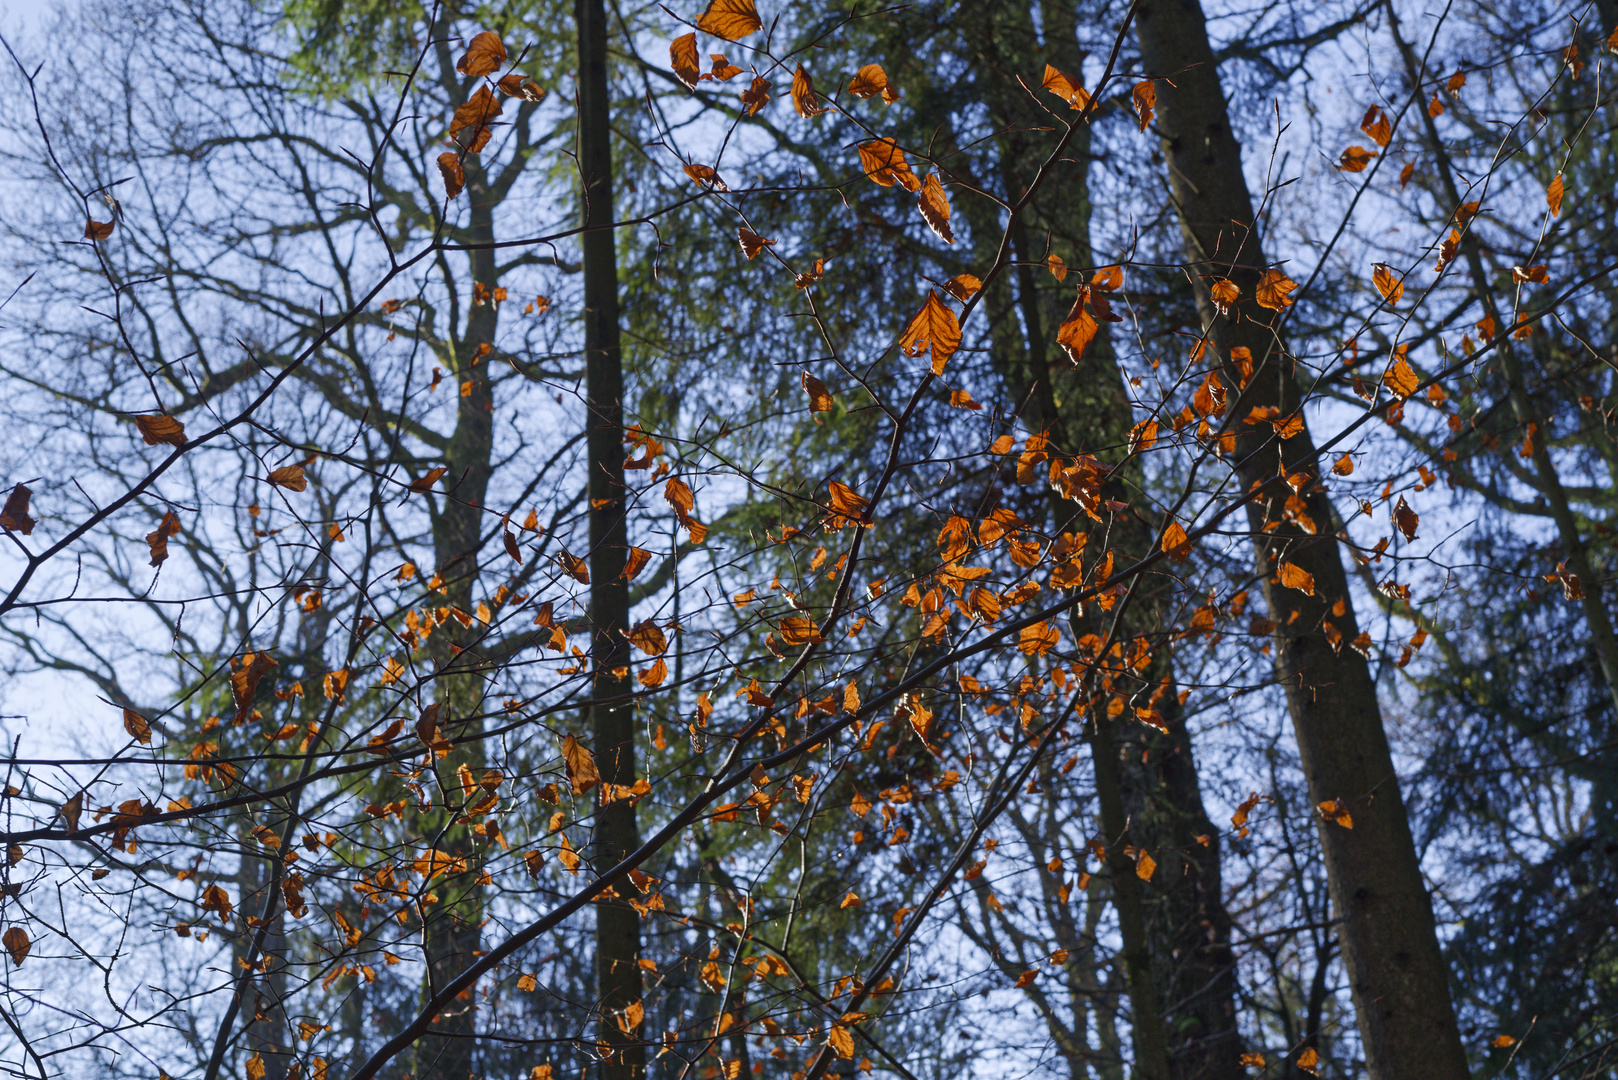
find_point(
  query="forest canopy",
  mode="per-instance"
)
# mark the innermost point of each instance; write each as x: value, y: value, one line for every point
x: 741, y: 538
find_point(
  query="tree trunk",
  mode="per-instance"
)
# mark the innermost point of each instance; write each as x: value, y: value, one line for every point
x: 1185, y: 978
x: 1388, y: 938
x: 612, y: 730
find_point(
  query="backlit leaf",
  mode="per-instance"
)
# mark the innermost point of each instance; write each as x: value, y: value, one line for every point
x: 580, y: 765
x: 1377, y: 126
x: 1405, y: 518
x: 804, y: 99
x: 751, y: 242
x: 484, y: 55
x: 1553, y: 196
x: 934, y: 206
x: 1225, y: 293
x: 1272, y: 290
x: 820, y: 399
x: 138, y: 727
x: 870, y: 81
x: 1065, y: 87
x: 155, y: 429
x: 933, y: 329
x: 1144, y: 100
x: 886, y: 164
x: 683, y: 59
x: 730, y: 19
x: 1401, y: 378
x: 1355, y: 159
x: 1294, y: 576
x: 1390, y: 286
x: 290, y: 477
x: 449, y: 167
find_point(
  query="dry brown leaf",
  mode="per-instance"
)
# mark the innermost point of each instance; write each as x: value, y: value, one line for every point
x: 1377, y: 126
x: 804, y: 99
x: 1391, y: 287
x: 752, y: 243
x: 514, y: 85
x: 1056, y: 266
x: 580, y: 765
x: 933, y: 328
x: 1065, y: 87
x: 683, y: 59
x: 1405, y: 519
x: 449, y: 167
x: 934, y: 208
x: 1553, y: 194
x: 158, y: 539
x: 477, y: 115
x: 97, y: 230
x: 730, y: 19
x: 635, y: 563
x: 756, y: 96
x: 1225, y: 293
x: 962, y: 286
x: 1355, y: 159
x: 14, y: 516
x: 820, y: 399
x: 161, y: 429
x: 1079, y: 328
x: 138, y: 727
x: 1294, y: 576
x: 290, y: 477
x: 1401, y: 378
x: 484, y: 55
x: 17, y: 944
x: 1272, y: 290
x: 886, y: 165
x: 1144, y: 99
x: 870, y: 81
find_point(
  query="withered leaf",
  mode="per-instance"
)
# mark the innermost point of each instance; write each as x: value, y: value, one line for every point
x: 1391, y: 287
x: 1057, y: 267
x: 1376, y: 125
x: 1405, y: 518
x: 683, y: 59
x: 752, y: 243
x: 870, y: 81
x: 804, y: 99
x: 723, y: 70
x: 573, y: 566
x: 648, y: 637
x: 1225, y: 293
x: 426, y: 481
x: 1079, y: 328
x: 933, y: 328
x: 1144, y: 99
x: 138, y: 727
x: 97, y: 230
x: 17, y: 944
x: 484, y: 55
x: 704, y: 175
x: 1401, y: 378
x: 1065, y: 87
x: 514, y: 85
x: 635, y: 563
x: 160, y: 428
x: 449, y: 167
x: 1355, y: 159
x: 756, y: 96
x: 1553, y: 196
x: 71, y: 810
x: 1272, y: 290
x: 14, y: 517
x: 245, y: 678
x: 580, y: 765
x: 290, y: 477
x: 1294, y: 576
x: 158, y: 539
x: 820, y: 399
x: 730, y: 19
x: 962, y: 286
x: 477, y: 115
x: 934, y: 206
x: 886, y: 164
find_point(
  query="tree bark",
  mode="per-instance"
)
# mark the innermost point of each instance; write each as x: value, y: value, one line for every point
x: 618, y: 979
x: 1387, y: 933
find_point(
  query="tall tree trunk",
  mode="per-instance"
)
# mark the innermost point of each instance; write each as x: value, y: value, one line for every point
x: 1389, y: 942
x: 618, y: 980
x: 1181, y: 972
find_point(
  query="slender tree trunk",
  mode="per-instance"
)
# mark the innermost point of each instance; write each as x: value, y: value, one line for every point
x: 612, y: 729
x: 1183, y: 987
x: 1389, y: 941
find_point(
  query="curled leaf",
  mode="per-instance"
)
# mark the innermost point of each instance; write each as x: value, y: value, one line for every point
x: 934, y: 206
x: 161, y: 429
x: 934, y: 328
x: 1144, y: 99
x: 803, y: 94
x: 683, y: 59
x: 449, y: 167
x: 97, y: 230
x: 484, y: 55
x: 1065, y: 87
x: 14, y: 516
x: 514, y: 85
x: 886, y: 165
x: 580, y: 765
x: 17, y: 944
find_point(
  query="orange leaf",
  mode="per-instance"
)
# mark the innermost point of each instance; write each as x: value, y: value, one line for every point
x: 1144, y: 98
x: 1401, y: 378
x: 1294, y: 576
x: 1272, y: 290
x: 1175, y: 544
x: 17, y: 944
x: 1025, y: 978
x: 1391, y: 288
x: 161, y: 429
x: 138, y: 727
x: 484, y: 55
x: 1078, y: 329
x: 1553, y: 194
x: 1376, y: 125
x: 1065, y: 87
x: 514, y: 85
x: 158, y: 539
x: 683, y: 59
x: 1405, y: 518
x: 934, y: 328
x: 1355, y: 159
x: 730, y: 19
x: 803, y: 94
x: 97, y: 230
x: 934, y: 207
x: 871, y: 80
x: 449, y: 167
x: 962, y: 286
x: 580, y: 765
x: 290, y: 477
x: 820, y: 399
x: 1225, y: 293
x: 477, y: 115
x: 705, y: 176
x: 886, y: 165
x: 752, y: 243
